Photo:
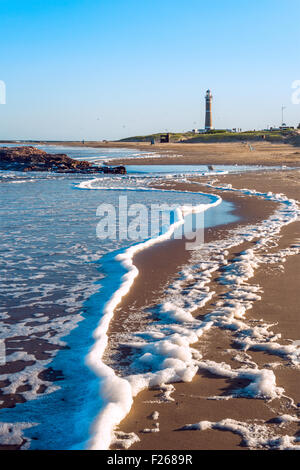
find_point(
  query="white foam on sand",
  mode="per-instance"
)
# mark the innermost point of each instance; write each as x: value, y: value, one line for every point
x: 164, y: 351
x: 11, y: 434
x: 151, y: 430
x: 253, y: 435
x: 155, y: 415
x: 117, y: 392
x: 123, y: 440
x: 137, y: 182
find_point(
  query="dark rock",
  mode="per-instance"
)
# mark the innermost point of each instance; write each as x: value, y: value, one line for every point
x: 117, y: 169
x: 32, y: 159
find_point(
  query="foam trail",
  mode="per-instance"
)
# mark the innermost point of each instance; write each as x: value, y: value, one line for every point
x: 117, y: 391
x: 166, y: 350
x: 171, y: 358
x: 146, y: 178
x: 253, y: 435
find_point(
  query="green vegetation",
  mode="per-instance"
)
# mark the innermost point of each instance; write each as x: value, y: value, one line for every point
x: 216, y: 135
x: 174, y: 137
x: 217, y: 131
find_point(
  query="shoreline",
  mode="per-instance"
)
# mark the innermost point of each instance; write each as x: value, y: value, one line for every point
x: 241, y: 153
x: 161, y: 251
x: 152, y: 261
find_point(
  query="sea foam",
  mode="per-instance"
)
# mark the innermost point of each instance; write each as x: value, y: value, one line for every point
x: 119, y: 392
x: 165, y: 352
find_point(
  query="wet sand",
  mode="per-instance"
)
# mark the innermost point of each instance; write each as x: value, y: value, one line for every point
x: 280, y: 303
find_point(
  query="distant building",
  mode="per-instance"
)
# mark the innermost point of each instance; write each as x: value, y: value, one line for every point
x: 198, y: 131
x: 283, y: 127
x: 164, y: 138
x: 208, y: 113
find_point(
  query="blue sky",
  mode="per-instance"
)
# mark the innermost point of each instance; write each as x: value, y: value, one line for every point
x: 106, y: 69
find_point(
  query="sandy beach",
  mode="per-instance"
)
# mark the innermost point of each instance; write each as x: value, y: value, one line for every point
x: 252, y: 348
x: 233, y: 153
x: 278, y: 306
x: 150, y: 229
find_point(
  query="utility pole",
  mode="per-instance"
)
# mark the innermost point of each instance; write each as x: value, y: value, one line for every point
x: 282, y: 109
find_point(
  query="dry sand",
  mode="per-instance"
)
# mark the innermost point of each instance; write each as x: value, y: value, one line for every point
x: 253, y: 153
x: 241, y: 153
x: 280, y: 303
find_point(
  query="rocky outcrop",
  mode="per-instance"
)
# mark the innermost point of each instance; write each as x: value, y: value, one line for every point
x: 33, y: 159
x: 118, y: 170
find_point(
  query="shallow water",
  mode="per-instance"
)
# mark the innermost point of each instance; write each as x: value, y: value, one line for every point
x: 194, y: 169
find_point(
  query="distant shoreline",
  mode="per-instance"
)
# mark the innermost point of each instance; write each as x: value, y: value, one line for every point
x: 229, y: 153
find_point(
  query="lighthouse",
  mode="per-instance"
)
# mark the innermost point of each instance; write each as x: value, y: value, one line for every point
x: 208, y: 117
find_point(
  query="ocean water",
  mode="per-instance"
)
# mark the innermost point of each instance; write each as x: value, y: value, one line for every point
x: 60, y: 286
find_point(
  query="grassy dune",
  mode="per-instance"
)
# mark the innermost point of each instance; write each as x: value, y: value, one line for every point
x: 217, y: 136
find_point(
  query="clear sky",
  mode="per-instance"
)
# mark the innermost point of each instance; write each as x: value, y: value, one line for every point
x: 106, y: 69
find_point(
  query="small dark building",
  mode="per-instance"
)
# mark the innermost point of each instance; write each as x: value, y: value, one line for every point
x: 164, y: 138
